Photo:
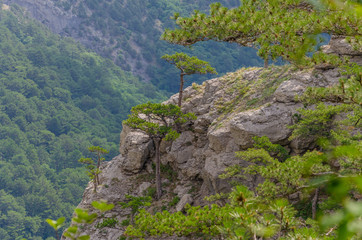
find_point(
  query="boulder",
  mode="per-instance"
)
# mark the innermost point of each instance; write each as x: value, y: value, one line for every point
x: 219, y: 138
x: 215, y: 165
x: 270, y: 120
x: 136, y: 147
x: 340, y: 46
x: 186, y: 199
x: 181, y: 190
x: 287, y: 91
x: 182, y: 148
x: 143, y: 187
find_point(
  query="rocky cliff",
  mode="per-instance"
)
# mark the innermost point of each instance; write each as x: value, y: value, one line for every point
x: 48, y: 13
x: 230, y: 110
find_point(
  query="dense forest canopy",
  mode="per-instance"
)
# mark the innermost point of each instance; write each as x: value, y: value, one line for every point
x: 128, y: 32
x: 57, y: 99
x: 138, y: 38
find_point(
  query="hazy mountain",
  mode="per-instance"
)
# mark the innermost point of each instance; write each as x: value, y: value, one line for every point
x: 128, y: 32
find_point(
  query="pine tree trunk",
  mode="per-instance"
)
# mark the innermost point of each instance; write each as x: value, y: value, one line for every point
x: 97, y: 171
x: 181, y: 89
x: 266, y: 62
x: 95, y: 182
x: 132, y: 218
x: 158, y: 169
x: 315, y: 204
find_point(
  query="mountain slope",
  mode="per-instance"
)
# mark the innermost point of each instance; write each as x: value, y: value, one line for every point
x: 128, y: 32
x: 56, y: 99
x: 230, y: 111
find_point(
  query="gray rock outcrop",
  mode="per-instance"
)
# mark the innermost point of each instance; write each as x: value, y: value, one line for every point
x: 231, y: 110
x: 186, y: 199
x: 136, y: 148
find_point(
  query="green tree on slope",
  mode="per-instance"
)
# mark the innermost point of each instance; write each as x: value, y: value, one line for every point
x: 159, y: 122
x: 94, y: 167
x: 188, y: 66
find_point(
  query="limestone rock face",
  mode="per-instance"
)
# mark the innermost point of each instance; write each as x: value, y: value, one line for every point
x: 136, y: 148
x: 270, y: 121
x: 230, y: 111
x: 340, y: 46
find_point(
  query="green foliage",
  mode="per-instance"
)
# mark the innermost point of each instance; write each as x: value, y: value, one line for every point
x: 329, y: 177
x: 93, y: 167
x: 189, y: 65
x: 273, y: 149
x: 102, y: 206
x: 125, y: 222
x: 154, y: 113
x: 168, y: 172
x: 134, y: 43
x: 280, y: 28
x: 136, y: 203
x: 151, y: 192
x: 174, y: 201
x: 350, y: 7
x: 268, y: 214
x: 56, y: 224
x: 246, y: 216
x: 177, y: 223
x: 317, y: 122
x: 159, y: 122
x: 82, y: 217
x: 281, y: 178
x: 108, y: 222
x: 56, y: 99
x: 347, y: 219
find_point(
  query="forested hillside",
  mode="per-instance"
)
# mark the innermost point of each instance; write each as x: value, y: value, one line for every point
x: 128, y: 32
x: 260, y: 153
x: 56, y: 99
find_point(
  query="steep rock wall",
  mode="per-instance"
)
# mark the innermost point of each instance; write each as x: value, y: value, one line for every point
x: 230, y: 110
x: 49, y: 14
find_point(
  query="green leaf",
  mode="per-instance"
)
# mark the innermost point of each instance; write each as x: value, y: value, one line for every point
x: 84, y: 237
x: 102, y: 206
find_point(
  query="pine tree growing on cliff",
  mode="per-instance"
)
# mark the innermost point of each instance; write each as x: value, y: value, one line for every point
x: 94, y: 167
x: 188, y: 66
x: 159, y: 122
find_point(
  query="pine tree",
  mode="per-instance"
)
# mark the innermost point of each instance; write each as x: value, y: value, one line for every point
x: 277, y: 28
x: 188, y: 66
x: 94, y: 167
x: 159, y: 122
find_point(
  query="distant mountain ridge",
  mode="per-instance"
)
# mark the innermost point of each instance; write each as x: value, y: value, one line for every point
x: 128, y: 32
